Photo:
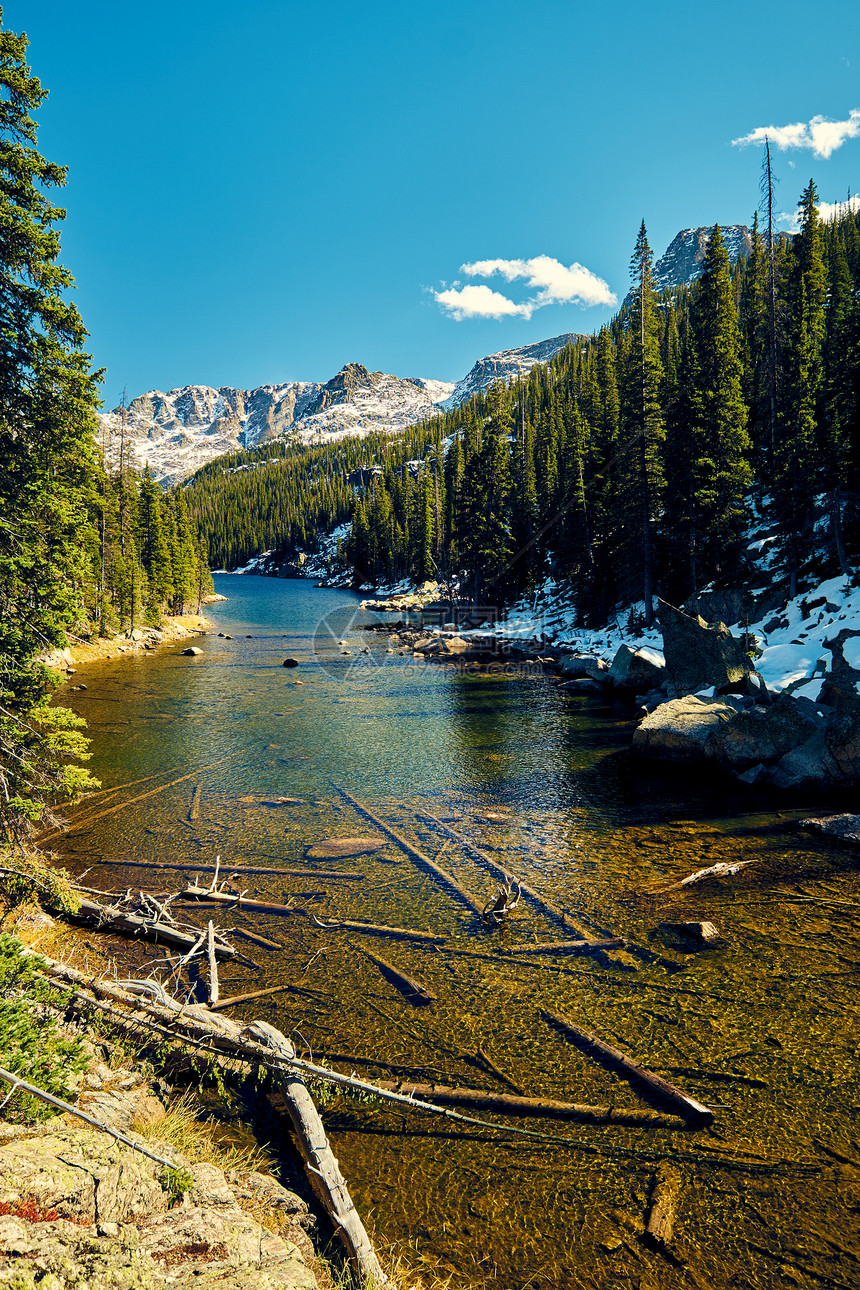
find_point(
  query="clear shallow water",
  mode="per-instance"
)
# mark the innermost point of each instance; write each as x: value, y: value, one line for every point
x: 541, y: 779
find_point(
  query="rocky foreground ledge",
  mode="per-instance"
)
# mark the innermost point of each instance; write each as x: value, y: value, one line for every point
x: 79, y: 1209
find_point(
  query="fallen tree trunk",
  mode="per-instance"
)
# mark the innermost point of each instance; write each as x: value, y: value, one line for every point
x: 207, y: 868
x: 507, y: 1104
x: 540, y: 902
x: 379, y: 929
x: 725, y: 869
x: 239, y: 902
x: 637, y: 1075
x: 103, y: 920
x: 445, y: 879
x: 222, y: 1004
x: 213, y: 965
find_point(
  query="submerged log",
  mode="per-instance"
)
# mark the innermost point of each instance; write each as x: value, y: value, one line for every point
x: 540, y: 902
x: 508, y: 1104
x: 379, y: 929
x: 194, y: 809
x: 239, y: 902
x: 445, y: 879
x: 207, y: 868
x: 639, y: 1076
x: 103, y: 919
x: 660, y: 1228
x: 416, y: 993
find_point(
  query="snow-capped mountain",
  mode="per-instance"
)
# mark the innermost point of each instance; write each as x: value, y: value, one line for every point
x: 683, y: 259
x: 506, y: 364
x: 178, y: 432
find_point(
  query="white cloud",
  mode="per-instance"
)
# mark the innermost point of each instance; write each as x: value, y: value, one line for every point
x: 820, y: 136
x: 827, y: 211
x: 552, y: 283
x: 479, y: 302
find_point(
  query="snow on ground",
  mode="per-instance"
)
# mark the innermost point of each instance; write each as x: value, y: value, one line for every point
x: 793, y: 640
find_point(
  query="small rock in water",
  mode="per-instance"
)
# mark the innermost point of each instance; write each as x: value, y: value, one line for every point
x: 291, y: 662
x: 191, y: 650
x: 692, y: 935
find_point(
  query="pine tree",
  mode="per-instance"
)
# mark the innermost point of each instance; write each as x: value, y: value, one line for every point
x: 48, y: 472
x: 721, y: 473
x: 643, y: 423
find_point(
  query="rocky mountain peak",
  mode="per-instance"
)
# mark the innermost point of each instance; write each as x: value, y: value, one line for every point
x: 683, y: 259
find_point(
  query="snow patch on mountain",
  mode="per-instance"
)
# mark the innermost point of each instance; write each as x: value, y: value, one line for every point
x: 177, y: 432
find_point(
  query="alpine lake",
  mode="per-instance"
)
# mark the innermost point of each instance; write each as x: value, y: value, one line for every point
x: 761, y: 1026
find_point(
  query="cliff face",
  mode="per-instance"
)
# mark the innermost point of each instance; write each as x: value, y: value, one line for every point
x: 507, y: 363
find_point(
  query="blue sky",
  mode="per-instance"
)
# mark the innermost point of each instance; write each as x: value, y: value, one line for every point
x: 264, y: 192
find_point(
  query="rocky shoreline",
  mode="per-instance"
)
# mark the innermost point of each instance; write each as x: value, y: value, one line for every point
x: 135, y: 641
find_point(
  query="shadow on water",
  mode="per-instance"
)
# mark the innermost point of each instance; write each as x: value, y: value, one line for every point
x: 761, y: 1026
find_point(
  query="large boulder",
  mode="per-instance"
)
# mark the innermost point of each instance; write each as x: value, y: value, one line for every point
x: 701, y: 656
x: 761, y: 736
x: 681, y: 729
x: 574, y: 666
x: 636, y: 670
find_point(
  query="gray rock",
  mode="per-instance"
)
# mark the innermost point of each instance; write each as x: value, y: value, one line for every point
x: 838, y: 828
x: 291, y: 662
x: 581, y: 685
x: 763, y: 735
x: 636, y: 670
x: 700, y: 656
x: 681, y: 729
x: 575, y: 666
x: 191, y: 650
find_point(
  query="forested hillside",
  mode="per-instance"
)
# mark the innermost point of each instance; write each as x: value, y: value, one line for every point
x: 631, y: 463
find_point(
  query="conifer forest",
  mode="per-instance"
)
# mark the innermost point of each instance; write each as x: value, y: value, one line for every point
x: 630, y: 464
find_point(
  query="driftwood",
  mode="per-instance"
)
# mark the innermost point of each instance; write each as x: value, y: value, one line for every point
x: 379, y: 929
x: 540, y: 902
x: 343, y: 848
x: 660, y: 1228
x: 507, y: 1104
x: 413, y: 990
x: 103, y: 919
x: 447, y: 880
x: 725, y: 869
x: 258, y: 940
x: 199, y: 1028
x: 207, y: 868
x: 566, y: 947
x: 219, y: 1006
x: 496, y: 911
x: 637, y: 1075
x: 239, y: 902
x: 213, y: 965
